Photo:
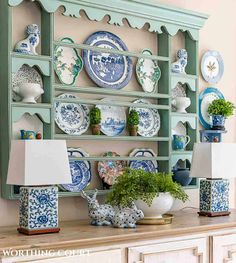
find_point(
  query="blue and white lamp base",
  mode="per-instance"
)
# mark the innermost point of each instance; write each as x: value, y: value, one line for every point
x: 38, y: 210
x: 214, y: 197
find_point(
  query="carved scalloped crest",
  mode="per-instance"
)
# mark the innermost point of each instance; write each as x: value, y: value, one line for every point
x: 159, y: 17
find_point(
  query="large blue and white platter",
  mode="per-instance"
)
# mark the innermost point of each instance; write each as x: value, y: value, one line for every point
x: 149, y: 119
x: 72, y: 118
x: 80, y: 171
x: 105, y: 69
x: 113, y: 118
x: 205, y: 99
x: 212, y: 66
x: 147, y: 165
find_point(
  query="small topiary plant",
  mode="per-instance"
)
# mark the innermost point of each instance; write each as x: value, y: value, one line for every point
x: 221, y: 107
x: 95, y: 116
x: 133, y: 118
x: 139, y: 184
x: 133, y: 121
x: 95, y: 120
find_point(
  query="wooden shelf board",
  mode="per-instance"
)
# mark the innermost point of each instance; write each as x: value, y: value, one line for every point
x: 125, y: 158
x: 35, y: 57
x: 110, y: 138
x: 97, y: 90
x: 114, y: 103
x: 111, y: 51
x: 34, y: 106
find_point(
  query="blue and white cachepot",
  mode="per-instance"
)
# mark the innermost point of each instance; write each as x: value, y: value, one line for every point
x: 214, y: 196
x: 38, y: 208
x: 218, y: 122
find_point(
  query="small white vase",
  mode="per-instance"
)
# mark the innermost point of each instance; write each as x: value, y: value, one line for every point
x: 160, y: 205
x: 181, y: 103
x: 29, y: 92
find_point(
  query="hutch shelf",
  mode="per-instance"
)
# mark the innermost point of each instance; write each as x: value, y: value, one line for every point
x: 163, y: 21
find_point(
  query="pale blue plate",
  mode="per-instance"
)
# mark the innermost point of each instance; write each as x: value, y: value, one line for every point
x: 113, y: 118
x: 205, y: 99
x: 105, y: 69
x: 80, y: 171
x: 212, y: 66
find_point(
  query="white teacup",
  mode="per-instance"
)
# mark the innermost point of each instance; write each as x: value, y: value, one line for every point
x: 181, y: 103
x: 29, y: 92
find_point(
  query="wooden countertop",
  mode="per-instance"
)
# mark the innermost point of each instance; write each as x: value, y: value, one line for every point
x: 80, y: 234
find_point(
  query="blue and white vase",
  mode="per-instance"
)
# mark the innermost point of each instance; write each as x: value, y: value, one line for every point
x: 218, y: 122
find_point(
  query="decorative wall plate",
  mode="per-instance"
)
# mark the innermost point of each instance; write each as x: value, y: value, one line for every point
x: 147, y: 165
x: 177, y: 91
x: 148, y: 73
x: 110, y: 170
x: 72, y: 118
x: 25, y: 74
x: 205, y: 99
x: 212, y: 66
x: 149, y: 119
x: 113, y: 119
x: 105, y: 69
x: 80, y: 171
x: 67, y: 62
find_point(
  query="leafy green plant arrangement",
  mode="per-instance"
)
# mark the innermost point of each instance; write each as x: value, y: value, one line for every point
x: 133, y: 121
x: 95, y: 120
x: 221, y: 107
x: 139, y: 184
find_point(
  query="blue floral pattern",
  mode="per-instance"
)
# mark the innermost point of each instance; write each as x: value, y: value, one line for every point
x: 71, y: 118
x: 80, y: 171
x: 214, y: 195
x: 39, y: 207
x: 147, y: 165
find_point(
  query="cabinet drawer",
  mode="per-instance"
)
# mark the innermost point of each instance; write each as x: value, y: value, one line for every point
x: 191, y: 251
x: 111, y: 256
x: 223, y: 249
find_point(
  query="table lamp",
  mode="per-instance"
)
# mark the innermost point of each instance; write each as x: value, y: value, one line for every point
x: 37, y: 166
x: 216, y: 162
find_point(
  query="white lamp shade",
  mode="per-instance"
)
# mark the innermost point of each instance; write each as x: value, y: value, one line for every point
x: 214, y: 160
x: 38, y: 162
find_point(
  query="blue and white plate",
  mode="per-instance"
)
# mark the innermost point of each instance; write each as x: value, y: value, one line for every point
x: 80, y: 171
x: 72, y: 118
x: 147, y: 165
x: 113, y: 118
x: 149, y: 119
x: 212, y: 66
x: 205, y: 99
x: 105, y: 69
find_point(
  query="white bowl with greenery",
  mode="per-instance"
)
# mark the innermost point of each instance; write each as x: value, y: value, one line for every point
x: 153, y: 193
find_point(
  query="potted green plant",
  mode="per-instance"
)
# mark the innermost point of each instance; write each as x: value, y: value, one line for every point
x: 219, y: 110
x: 133, y: 121
x: 95, y: 120
x: 153, y: 193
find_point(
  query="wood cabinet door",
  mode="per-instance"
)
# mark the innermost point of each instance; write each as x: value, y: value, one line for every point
x: 186, y: 251
x: 111, y: 256
x: 223, y: 249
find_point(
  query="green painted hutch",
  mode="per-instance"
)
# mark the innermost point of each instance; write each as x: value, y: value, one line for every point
x: 161, y: 20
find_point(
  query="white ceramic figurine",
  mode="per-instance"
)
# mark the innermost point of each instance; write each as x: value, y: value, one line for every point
x: 180, y: 65
x: 101, y: 215
x: 127, y: 217
x: 28, y: 45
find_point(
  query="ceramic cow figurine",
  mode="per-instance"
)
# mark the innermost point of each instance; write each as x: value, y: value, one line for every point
x: 127, y: 217
x: 180, y: 65
x: 101, y: 215
x: 28, y: 45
